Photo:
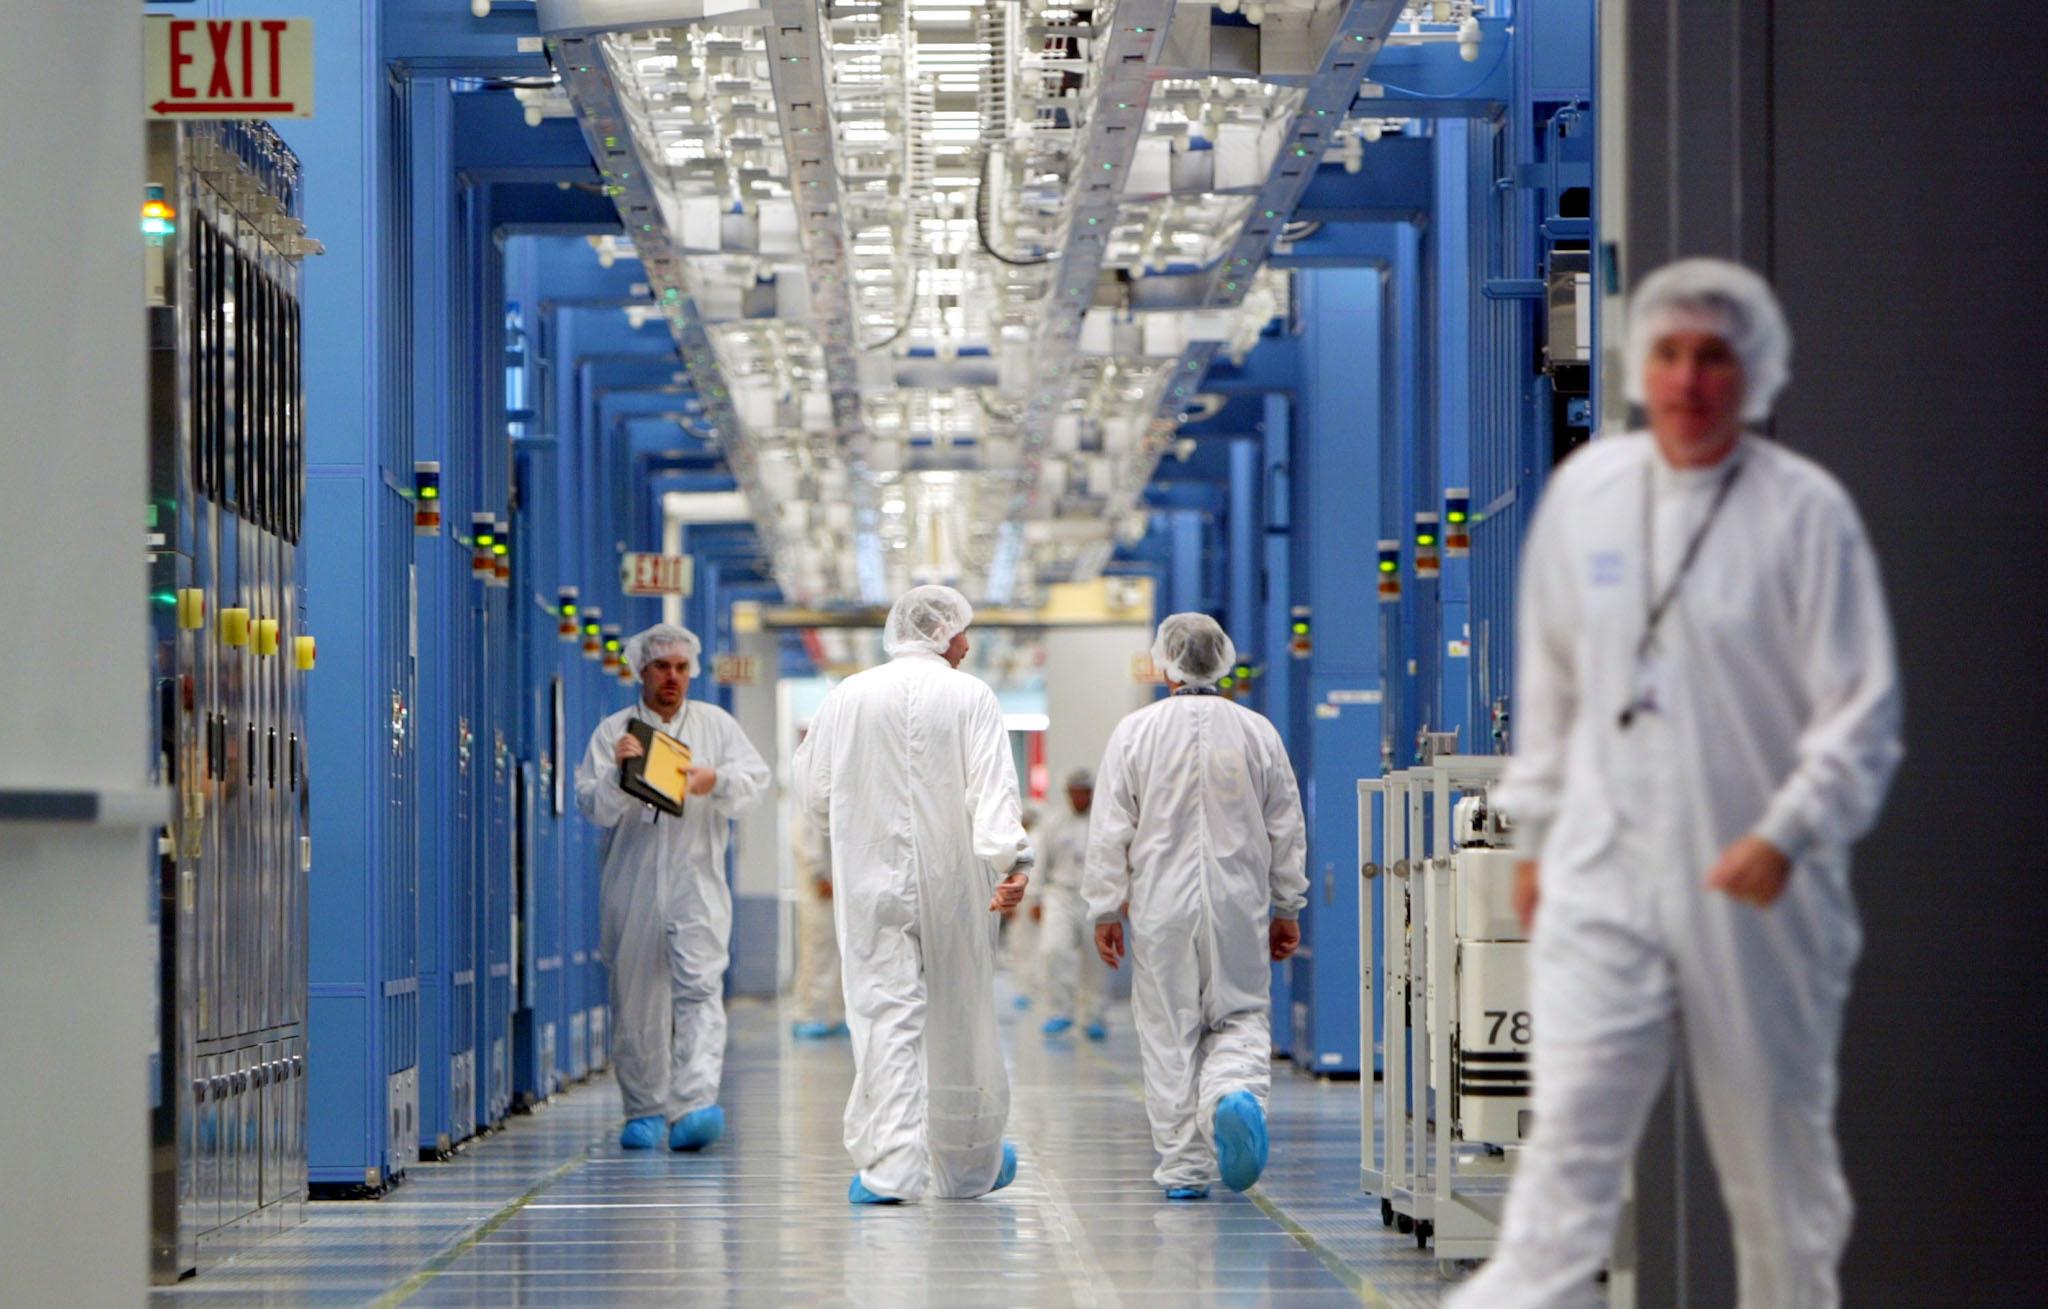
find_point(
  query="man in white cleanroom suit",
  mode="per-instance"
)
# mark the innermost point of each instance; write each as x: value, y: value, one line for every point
x: 665, y: 913
x: 1197, y: 827
x: 820, y: 1002
x: 907, y: 769
x: 1708, y: 715
x: 1071, y: 976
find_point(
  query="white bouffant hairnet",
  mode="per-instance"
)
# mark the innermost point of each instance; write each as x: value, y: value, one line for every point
x: 1714, y: 295
x: 926, y: 618
x: 660, y: 640
x: 1192, y: 650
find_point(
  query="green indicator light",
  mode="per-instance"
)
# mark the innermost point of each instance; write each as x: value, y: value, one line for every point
x: 611, y: 645
x: 1301, y: 629
x: 1244, y: 670
x: 1226, y: 683
x: 500, y: 549
x: 1388, y: 565
x: 1425, y: 539
x: 164, y: 598
x: 485, y: 539
x: 1455, y: 516
x: 1108, y: 167
x: 1300, y: 153
x: 590, y: 629
x: 430, y: 493
x: 568, y: 611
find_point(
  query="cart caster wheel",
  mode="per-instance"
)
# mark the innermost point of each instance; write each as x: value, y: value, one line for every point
x: 1404, y: 1224
x: 1452, y: 1270
x: 1386, y: 1213
x: 1424, y: 1231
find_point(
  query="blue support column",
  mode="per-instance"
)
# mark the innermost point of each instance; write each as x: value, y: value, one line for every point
x: 362, y: 1024
x: 1345, y: 396
x: 447, y: 930
x: 1275, y: 691
x: 1241, y: 604
x: 1450, y: 255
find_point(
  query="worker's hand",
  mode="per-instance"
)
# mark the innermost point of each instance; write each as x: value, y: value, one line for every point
x: 629, y: 747
x: 1526, y: 894
x: 702, y: 780
x: 1009, y: 892
x: 1285, y: 938
x: 1109, y: 942
x: 1038, y: 913
x: 1752, y: 870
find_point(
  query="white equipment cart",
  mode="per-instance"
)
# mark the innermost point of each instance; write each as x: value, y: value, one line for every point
x: 1450, y: 989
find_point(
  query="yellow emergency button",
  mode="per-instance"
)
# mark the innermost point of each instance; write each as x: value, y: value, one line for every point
x: 302, y: 651
x: 191, y: 608
x: 234, y: 626
x: 266, y: 637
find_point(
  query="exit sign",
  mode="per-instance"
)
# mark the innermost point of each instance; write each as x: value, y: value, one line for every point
x: 228, y: 67
x: 652, y: 574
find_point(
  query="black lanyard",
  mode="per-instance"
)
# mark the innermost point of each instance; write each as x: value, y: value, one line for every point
x: 1198, y: 690
x: 1654, y: 611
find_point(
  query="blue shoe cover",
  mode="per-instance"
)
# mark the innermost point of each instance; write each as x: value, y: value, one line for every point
x: 1240, y: 1139
x: 642, y: 1133
x: 857, y: 1193
x: 1008, y: 1172
x: 697, y: 1129
x: 1187, y: 1192
x: 839, y: 1029
x: 1020, y: 1002
x: 810, y: 1031
x: 1056, y: 1025
x: 1098, y: 1031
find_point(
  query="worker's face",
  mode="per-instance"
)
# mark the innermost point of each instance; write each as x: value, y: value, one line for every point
x: 1692, y: 384
x: 957, y: 650
x: 664, y: 682
x: 1081, y: 797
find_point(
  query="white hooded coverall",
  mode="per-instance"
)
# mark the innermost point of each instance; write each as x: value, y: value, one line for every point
x: 1070, y: 971
x: 1197, y: 823
x: 665, y: 912
x: 819, y: 998
x: 907, y: 768
x: 1778, y: 714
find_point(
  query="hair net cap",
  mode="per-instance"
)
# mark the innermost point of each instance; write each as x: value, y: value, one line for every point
x: 662, y: 640
x: 926, y: 618
x: 1724, y: 298
x: 1193, y: 650
x: 1081, y: 779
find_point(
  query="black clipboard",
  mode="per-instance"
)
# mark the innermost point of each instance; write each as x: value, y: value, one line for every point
x: 660, y: 776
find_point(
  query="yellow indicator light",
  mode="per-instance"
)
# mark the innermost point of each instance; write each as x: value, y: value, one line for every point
x: 191, y: 609
x: 1388, y: 565
x: 590, y: 629
x: 303, y: 652
x: 611, y: 645
x: 1425, y: 539
x: 485, y: 538
x: 568, y: 611
x: 1455, y: 516
x: 430, y: 493
x: 234, y: 626
x: 1301, y: 629
x: 499, y: 549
